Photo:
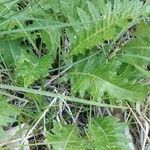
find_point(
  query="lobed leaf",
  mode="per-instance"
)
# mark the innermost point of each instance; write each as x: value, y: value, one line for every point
x: 66, y: 138
x: 106, y: 21
x: 99, y: 79
x: 107, y: 133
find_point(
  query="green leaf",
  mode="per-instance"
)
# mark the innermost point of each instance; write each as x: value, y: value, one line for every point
x: 65, y: 138
x: 84, y: 18
x: 107, y: 133
x: 90, y: 77
x: 143, y: 71
x: 106, y: 21
x: 51, y: 38
x: 7, y: 112
x: 9, y: 49
x: 136, y: 52
x: 101, y: 134
x: 93, y: 11
x: 140, y: 44
x: 29, y: 68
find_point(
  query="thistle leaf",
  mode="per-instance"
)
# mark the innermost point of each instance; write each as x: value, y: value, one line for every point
x: 7, y: 114
x: 107, y: 134
x: 66, y: 138
x: 90, y: 77
x: 29, y: 68
x: 136, y: 52
x: 105, y: 22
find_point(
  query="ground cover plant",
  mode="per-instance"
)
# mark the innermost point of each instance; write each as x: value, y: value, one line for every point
x: 74, y: 74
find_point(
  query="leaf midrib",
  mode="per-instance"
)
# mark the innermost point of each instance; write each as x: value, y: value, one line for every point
x: 89, y: 37
x: 99, y: 78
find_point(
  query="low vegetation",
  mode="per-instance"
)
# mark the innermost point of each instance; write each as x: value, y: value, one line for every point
x: 74, y: 74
